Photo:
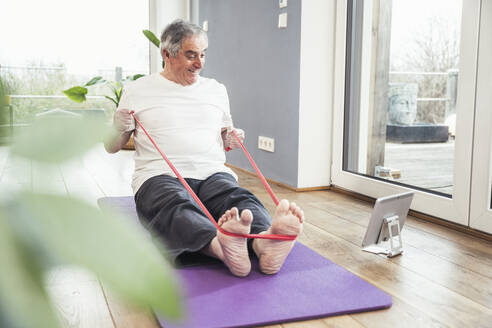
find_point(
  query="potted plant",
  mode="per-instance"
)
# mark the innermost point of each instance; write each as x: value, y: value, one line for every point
x: 78, y: 93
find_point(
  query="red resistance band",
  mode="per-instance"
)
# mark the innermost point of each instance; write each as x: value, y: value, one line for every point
x: 204, y: 209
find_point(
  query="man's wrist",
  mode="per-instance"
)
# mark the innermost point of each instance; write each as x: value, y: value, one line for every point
x: 120, y: 130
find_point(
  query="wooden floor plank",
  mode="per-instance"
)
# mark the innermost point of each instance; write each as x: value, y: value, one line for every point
x: 68, y: 274
x: 113, y: 176
x: 401, y: 315
x: 452, y: 235
x: 46, y: 178
x: 456, y: 237
x: 80, y: 183
x: 351, y: 208
x: 81, y: 304
x: 476, y: 258
x: 125, y: 316
x: 456, y: 277
x: 17, y: 173
x: 432, y: 299
x: 306, y: 324
x: 343, y: 321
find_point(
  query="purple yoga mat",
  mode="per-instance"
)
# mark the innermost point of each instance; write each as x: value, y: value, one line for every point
x: 308, y: 286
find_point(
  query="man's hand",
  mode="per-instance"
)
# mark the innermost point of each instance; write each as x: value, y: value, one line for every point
x: 123, y: 121
x: 230, y: 141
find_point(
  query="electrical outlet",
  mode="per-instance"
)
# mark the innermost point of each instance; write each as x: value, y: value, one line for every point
x: 282, y: 20
x: 266, y: 143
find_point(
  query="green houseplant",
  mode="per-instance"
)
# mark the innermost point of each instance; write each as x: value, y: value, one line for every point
x: 78, y: 93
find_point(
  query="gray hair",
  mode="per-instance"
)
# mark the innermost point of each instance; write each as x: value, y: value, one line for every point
x: 176, y: 32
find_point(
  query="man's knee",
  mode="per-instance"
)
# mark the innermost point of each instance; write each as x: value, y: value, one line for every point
x: 160, y: 192
x: 221, y: 180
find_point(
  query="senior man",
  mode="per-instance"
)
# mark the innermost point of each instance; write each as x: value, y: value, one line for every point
x: 188, y: 116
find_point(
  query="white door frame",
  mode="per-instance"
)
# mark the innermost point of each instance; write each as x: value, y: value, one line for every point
x: 454, y: 209
x: 481, y: 214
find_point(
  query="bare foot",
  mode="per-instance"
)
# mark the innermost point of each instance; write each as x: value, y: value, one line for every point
x: 287, y: 220
x: 234, y: 249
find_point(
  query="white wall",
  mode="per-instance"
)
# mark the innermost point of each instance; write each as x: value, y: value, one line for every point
x: 163, y: 12
x: 316, y: 92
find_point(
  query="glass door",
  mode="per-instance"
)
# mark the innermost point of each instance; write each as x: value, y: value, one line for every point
x: 407, y: 105
x: 481, y: 194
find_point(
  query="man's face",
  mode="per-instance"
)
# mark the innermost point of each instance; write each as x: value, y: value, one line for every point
x: 189, y: 61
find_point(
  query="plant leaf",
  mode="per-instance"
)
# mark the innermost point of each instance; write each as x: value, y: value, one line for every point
x: 118, y: 94
x: 21, y: 285
x: 134, y: 77
x: 152, y: 38
x: 55, y: 139
x: 113, y: 100
x: 94, y: 80
x: 110, y: 245
x: 76, y: 93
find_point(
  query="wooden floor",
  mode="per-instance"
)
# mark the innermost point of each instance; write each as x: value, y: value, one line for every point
x: 444, y: 279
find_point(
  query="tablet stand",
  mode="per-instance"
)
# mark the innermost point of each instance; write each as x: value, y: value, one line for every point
x: 387, y: 230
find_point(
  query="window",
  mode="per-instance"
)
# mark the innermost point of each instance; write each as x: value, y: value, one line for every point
x: 55, y: 44
x: 401, y: 91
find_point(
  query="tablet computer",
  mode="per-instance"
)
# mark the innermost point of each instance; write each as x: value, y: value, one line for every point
x: 385, y: 208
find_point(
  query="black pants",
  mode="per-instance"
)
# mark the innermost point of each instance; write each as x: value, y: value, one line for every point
x: 170, y: 213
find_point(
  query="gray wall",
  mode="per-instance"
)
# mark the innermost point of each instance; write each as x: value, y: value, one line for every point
x: 259, y: 65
